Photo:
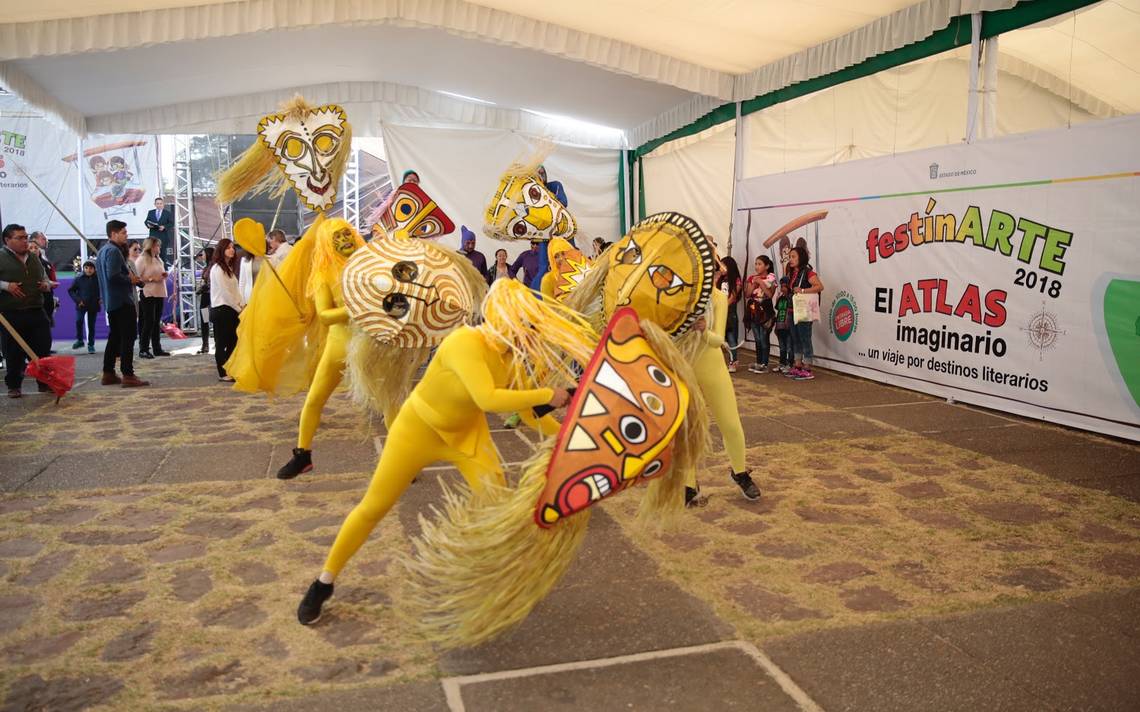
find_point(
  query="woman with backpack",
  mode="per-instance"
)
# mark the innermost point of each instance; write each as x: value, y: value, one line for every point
x: 759, y: 311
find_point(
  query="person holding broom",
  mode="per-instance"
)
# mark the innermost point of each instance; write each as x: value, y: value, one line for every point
x: 23, y: 283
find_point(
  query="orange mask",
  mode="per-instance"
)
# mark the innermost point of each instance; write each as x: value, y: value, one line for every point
x: 619, y: 427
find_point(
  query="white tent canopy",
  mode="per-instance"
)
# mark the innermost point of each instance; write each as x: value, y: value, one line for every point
x: 626, y: 70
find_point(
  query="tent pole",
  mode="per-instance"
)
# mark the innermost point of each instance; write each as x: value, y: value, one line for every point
x: 737, y: 173
x: 989, y: 90
x: 623, y: 191
x: 83, y: 251
x: 975, y: 62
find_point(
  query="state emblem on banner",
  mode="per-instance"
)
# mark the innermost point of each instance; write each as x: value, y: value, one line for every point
x: 844, y: 317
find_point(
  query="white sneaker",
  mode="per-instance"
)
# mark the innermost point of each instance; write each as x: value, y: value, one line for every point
x: 732, y: 366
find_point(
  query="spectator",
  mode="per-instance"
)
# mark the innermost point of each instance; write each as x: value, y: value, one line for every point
x: 152, y: 272
x: 84, y: 291
x: 40, y: 242
x: 117, y: 286
x: 759, y: 311
x: 783, y: 325
x: 206, y: 259
x: 225, y: 304
x: 499, y: 270
x: 160, y: 223
x: 279, y: 247
x: 23, y: 284
x: 477, y: 258
x: 528, y: 262
x: 600, y: 245
x: 802, y: 280
x: 728, y: 281
x: 134, y: 251
x: 249, y: 266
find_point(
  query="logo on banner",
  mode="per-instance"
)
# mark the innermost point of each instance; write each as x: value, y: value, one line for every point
x: 844, y: 315
x: 1043, y: 331
x: 933, y: 171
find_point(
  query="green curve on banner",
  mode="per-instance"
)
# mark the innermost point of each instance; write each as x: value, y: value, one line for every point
x: 1122, y: 324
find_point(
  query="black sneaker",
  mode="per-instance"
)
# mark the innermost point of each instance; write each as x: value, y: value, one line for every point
x: 690, y: 497
x: 309, y: 612
x: 302, y: 461
x: 747, y: 487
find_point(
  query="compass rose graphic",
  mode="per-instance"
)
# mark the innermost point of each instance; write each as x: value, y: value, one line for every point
x: 1043, y: 331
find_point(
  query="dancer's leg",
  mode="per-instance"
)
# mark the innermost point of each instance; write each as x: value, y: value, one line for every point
x: 329, y: 372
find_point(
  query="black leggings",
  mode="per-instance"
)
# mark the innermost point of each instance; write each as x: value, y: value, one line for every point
x: 150, y: 313
x: 225, y: 321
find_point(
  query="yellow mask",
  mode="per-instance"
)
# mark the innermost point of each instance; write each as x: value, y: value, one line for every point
x: 664, y: 269
x: 524, y: 209
x: 306, y: 146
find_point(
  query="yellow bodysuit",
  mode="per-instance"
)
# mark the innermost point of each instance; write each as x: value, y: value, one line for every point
x: 330, y: 369
x: 443, y: 419
x: 716, y: 384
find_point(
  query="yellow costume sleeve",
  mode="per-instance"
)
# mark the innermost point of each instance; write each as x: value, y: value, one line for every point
x: 465, y: 360
x: 547, y: 424
x: 716, y: 320
x: 546, y: 286
x: 327, y: 308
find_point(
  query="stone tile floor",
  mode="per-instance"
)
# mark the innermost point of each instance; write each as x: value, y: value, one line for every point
x: 148, y: 559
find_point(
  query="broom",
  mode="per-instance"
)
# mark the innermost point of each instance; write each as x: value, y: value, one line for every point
x: 55, y: 372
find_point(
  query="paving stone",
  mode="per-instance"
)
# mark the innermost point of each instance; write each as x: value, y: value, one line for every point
x: 935, y: 518
x: 1033, y: 578
x: 60, y: 694
x: 97, y: 469
x: 1013, y: 512
x: 178, y: 552
x: 665, y: 683
x: 872, y: 599
x: 20, y: 548
x: 933, y: 417
x: 818, y: 515
x: 205, y: 463
x: 216, y: 527
x: 105, y: 606
x: 916, y: 574
x: 765, y: 505
x: 783, y: 550
x: 1011, y: 544
x: 323, y: 541
x: 272, y: 648
x: 682, y: 541
x: 373, y: 568
x: 767, y: 605
x: 845, y: 669
x: 67, y: 516
x: 253, y: 573
x: 976, y: 483
x: 870, y: 473
x: 342, y: 630
x: 339, y: 456
x: 405, y: 697
x: 750, y: 528
x: 921, y: 490
x: 760, y: 429
x: 19, y: 469
x: 364, y: 595
x: 238, y: 615
x: 319, y: 484
x: 710, y: 515
x: 188, y: 585
x: 262, y: 540
x: 838, y: 572
x: 269, y: 502
x: 138, y: 518
x: 120, y: 571
x: 41, y: 649
x: 1118, y: 611
x: 728, y: 559
x: 336, y: 671
x: 1120, y: 564
x: 206, y: 680
x: 832, y: 424
x: 835, y: 482
x: 17, y: 609
x: 130, y: 644
x: 1098, y: 533
x: 320, y: 521
x: 22, y: 504
x: 849, y: 499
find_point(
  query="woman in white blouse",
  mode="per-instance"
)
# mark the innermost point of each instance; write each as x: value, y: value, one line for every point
x: 225, y: 304
x: 152, y: 272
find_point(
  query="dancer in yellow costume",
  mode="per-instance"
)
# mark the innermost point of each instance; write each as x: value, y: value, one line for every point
x: 568, y: 267
x: 294, y: 333
x: 504, y: 365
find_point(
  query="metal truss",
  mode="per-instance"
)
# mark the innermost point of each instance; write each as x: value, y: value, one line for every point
x: 350, y: 190
x: 186, y: 242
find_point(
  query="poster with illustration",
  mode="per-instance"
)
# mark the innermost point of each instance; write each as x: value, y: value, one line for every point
x: 114, y: 176
x: 1003, y: 273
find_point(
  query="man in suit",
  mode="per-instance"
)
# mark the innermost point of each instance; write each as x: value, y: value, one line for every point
x: 161, y: 225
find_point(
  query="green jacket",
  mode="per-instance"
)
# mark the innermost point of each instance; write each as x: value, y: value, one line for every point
x: 28, y: 274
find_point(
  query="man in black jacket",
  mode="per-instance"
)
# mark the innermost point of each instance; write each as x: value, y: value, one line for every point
x: 22, y: 286
x: 161, y: 225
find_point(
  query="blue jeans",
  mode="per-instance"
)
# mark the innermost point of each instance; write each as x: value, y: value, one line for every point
x: 732, y: 331
x: 801, y: 342
x: 784, y: 336
x: 763, y: 344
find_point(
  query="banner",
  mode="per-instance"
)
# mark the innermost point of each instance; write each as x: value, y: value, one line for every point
x: 37, y: 146
x: 119, y: 176
x: 1004, y: 273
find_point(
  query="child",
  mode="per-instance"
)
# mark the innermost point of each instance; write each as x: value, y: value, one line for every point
x: 783, y: 326
x: 84, y: 292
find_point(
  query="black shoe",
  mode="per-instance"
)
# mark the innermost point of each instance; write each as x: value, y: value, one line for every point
x: 161, y: 353
x: 690, y: 497
x: 302, y: 461
x: 747, y: 487
x: 309, y: 612
x: 43, y: 387
x: 145, y: 354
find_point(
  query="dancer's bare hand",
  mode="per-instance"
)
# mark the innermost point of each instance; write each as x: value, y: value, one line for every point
x: 560, y: 398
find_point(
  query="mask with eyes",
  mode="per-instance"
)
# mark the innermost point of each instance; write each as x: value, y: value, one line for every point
x: 619, y: 427
x: 306, y: 146
x: 664, y: 269
x: 411, y: 213
x: 405, y: 293
x: 524, y: 209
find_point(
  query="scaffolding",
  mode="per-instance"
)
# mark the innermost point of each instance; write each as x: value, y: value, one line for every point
x: 350, y: 192
x: 186, y: 243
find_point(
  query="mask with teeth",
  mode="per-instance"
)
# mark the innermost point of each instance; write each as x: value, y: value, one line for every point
x: 619, y: 427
